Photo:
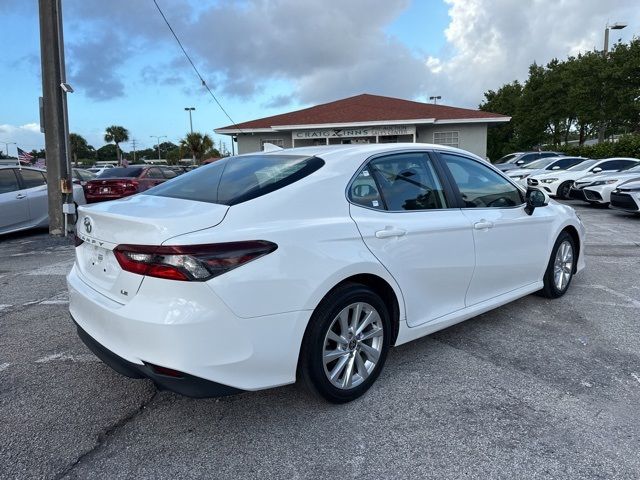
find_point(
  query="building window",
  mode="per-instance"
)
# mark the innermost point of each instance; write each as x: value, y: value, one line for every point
x: 278, y: 142
x: 388, y: 139
x: 449, y: 139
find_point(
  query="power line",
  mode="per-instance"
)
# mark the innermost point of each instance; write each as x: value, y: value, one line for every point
x: 204, y: 84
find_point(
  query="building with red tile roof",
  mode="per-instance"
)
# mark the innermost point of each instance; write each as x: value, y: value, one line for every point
x: 368, y: 119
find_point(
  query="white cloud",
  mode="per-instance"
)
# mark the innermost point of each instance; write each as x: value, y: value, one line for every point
x: 493, y: 42
x: 27, y: 137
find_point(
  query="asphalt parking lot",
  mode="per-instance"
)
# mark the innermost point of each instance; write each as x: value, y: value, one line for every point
x: 536, y: 389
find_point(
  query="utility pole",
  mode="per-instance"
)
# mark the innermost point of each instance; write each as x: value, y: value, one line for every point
x: 133, y: 144
x: 54, y: 89
x: 6, y: 146
x: 158, y: 137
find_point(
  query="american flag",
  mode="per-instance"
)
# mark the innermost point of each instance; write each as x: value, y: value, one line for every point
x: 24, y: 156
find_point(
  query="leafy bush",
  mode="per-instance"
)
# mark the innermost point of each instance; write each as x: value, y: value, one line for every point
x: 626, y: 146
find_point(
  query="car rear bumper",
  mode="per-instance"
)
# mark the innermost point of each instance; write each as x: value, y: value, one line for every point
x: 185, y: 326
x: 183, y: 383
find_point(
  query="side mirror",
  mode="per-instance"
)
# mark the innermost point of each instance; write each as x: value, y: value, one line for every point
x: 596, y: 170
x: 557, y: 167
x: 535, y: 198
x: 520, y: 162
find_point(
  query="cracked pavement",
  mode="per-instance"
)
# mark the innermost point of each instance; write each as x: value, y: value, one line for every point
x: 536, y: 389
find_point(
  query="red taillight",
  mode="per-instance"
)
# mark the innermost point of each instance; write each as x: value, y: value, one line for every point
x: 129, y: 185
x: 190, y: 262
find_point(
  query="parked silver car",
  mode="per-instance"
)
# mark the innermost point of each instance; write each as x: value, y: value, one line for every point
x: 23, y: 198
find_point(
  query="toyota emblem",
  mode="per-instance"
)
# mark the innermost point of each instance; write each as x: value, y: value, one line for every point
x: 87, y: 224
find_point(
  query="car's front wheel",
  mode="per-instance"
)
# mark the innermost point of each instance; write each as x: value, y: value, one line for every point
x: 563, y: 190
x: 560, y: 268
x: 346, y: 343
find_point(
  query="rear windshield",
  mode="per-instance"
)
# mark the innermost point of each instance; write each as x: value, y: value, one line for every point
x: 506, y: 158
x: 120, y: 172
x: 235, y: 180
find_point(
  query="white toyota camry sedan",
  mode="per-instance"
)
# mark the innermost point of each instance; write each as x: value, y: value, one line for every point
x: 309, y: 263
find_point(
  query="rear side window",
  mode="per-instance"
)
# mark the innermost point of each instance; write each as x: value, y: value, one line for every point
x: 8, y: 181
x: 168, y: 173
x: 235, y: 180
x: 406, y: 181
x: 31, y: 178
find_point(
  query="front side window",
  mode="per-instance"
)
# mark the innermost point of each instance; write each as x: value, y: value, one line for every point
x: 31, y: 178
x: 405, y: 181
x: 479, y: 186
x: 567, y: 162
x: 8, y: 181
x: 449, y: 139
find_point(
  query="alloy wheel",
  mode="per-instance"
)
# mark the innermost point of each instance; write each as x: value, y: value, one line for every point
x: 563, y: 265
x: 352, y: 345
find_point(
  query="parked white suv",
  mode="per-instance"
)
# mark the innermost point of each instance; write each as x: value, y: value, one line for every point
x: 312, y: 261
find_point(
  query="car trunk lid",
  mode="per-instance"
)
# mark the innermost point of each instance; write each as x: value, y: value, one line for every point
x: 139, y: 220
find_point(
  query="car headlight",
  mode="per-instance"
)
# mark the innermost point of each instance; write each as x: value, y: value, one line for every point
x: 549, y: 180
x: 603, y: 182
x: 520, y: 177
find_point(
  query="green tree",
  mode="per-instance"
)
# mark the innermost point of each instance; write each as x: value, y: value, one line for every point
x: 79, y: 148
x: 197, y: 144
x: 117, y: 135
x: 107, y: 153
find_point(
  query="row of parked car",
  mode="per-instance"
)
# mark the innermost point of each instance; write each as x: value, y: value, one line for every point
x: 608, y: 181
x: 24, y: 199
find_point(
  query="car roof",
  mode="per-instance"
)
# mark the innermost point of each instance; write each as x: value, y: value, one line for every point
x: 2, y: 167
x: 331, y: 152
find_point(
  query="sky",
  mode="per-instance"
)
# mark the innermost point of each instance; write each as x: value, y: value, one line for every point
x: 264, y: 57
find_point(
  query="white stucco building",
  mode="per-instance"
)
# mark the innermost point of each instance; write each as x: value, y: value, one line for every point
x: 368, y: 119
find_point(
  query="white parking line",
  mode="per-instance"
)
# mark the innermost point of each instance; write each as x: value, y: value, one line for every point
x: 55, y: 302
x: 4, y: 307
x: 3, y: 366
x: 60, y: 268
x: 615, y: 293
x: 63, y: 357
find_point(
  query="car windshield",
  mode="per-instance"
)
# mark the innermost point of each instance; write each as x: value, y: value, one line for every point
x: 543, y: 162
x: 506, y: 158
x: 118, y: 172
x: 583, y: 166
x: 235, y: 180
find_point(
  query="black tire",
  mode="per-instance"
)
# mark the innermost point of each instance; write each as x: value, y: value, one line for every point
x: 311, y: 365
x: 550, y: 289
x: 563, y: 190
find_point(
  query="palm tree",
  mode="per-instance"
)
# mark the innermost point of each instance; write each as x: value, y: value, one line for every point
x: 77, y: 143
x: 117, y: 135
x: 196, y: 143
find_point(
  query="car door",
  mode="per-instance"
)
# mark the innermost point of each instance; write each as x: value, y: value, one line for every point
x: 14, y: 206
x: 402, y: 209
x: 34, y: 184
x: 510, y: 245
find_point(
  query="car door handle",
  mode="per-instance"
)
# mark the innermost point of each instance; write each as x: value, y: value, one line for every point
x: 483, y: 225
x: 20, y: 196
x: 389, y: 232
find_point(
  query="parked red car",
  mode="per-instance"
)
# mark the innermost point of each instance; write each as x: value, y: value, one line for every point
x: 120, y: 182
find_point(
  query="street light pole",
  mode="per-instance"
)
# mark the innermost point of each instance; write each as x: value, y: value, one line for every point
x: 190, y: 109
x: 605, y: 53
x: 158, y: 137
x: 435, y: 99
x: 6, y: 146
